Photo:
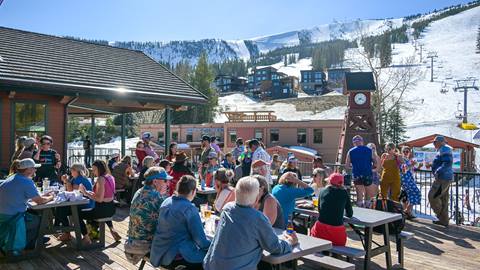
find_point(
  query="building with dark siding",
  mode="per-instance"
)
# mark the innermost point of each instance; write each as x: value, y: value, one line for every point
x: 268, y: 83
x: 313, y: 82
x: 228, y: 84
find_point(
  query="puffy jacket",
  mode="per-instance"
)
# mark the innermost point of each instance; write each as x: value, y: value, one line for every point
x: 442, y: 164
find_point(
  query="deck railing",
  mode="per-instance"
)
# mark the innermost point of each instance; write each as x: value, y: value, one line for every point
x: 464, y: 201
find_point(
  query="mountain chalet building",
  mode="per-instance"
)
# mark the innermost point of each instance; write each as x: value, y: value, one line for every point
x: 267, y: 83
x: 44, y: 79
x: 320, y: 135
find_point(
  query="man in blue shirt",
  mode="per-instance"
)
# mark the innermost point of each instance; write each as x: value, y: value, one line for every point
x: 360, y: 160
x: 443, y: 173
x: 179, y: 237
x: 244, y: 232
x: 15, y: 192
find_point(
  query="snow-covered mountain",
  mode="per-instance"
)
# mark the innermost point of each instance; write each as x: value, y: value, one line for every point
x: 219, y: 50
x: 432, y: 105
x: 336, y: 30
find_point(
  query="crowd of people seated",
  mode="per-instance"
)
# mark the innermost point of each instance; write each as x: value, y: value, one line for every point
x: 164, y: 222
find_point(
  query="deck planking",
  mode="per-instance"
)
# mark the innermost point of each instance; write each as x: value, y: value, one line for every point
x: 433, y: 247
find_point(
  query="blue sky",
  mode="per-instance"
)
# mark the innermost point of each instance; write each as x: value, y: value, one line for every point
x: 164, y: 20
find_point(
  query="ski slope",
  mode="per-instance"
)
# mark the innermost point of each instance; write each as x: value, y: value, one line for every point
x: 429, y: 111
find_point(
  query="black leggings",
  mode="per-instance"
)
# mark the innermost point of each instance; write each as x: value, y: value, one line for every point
x: 101, y: 210
x: 62, y: 213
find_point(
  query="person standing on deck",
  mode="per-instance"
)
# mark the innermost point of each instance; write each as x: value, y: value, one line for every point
x: 48, y: 158
x: 238, y: 150
x: 360, y: 160
x: 443, y: 173
x: 260, y: 154
x: 149, y: 151
x: 207, y: 149
x: 87, y: 148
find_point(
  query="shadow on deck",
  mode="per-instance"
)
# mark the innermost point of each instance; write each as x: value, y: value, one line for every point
x: 433, y: 247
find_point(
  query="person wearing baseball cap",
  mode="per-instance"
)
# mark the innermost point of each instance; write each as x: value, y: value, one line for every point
x: 50, y: 160
x: 15, y: 192
x: 360, y: 160
x: 144, y: 213
x: 292, y: 163
x: 334, y: 200
x: 113, y: 161
x: 212, y: 168
x: 438, y: 195
x: 259, y: 167
x: 149, y: 151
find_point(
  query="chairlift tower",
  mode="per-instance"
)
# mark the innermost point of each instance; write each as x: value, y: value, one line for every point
x: 432, y: 55
x: 463, y: 86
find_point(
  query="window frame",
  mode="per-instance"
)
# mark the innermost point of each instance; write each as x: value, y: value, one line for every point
x: 232, y: 132
x: 173, y: 137
x: 315, y: 136
x: 162, y: 137
x: 13, y: 113
x: 259, y: 130
x: 301, y: 134
x: 277, y: 133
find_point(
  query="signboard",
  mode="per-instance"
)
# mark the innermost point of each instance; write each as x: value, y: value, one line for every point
x: 425, y: 156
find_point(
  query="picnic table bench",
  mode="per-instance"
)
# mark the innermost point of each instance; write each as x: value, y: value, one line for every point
x: 367, y: 219
x: 46, y: 221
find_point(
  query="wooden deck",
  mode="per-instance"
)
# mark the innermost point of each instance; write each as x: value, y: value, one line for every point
x: 432, y: 248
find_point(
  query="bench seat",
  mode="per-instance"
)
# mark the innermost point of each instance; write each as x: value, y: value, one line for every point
x: 327, y: 262
x: 349, y: 252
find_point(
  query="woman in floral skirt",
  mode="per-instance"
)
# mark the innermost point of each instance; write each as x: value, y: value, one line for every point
x: 408, y: 182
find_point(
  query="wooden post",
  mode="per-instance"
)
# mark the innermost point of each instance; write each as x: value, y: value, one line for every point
x: 92, y: 135
x: 124, y: 134
x: 168, y: 122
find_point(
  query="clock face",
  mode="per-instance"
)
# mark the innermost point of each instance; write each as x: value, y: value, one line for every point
x: 360, y: 99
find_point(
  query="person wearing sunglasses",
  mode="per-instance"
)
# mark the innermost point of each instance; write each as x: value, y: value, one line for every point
x: 49, y: 159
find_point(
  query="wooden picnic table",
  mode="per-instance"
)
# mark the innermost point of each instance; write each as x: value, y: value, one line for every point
x: 368, y: 219
x: 46, y: 221
x: 306, y: 245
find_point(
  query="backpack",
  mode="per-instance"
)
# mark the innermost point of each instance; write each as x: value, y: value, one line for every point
x: 391, y: 206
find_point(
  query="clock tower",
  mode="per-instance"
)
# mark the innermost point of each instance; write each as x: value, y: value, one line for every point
x: 359, y: 118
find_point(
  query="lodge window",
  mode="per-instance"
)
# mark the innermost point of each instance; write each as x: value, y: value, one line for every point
x: 233, y: 136
x: 318, y: 135
x: 274, y: 135
x: 30, y: 119
x: 301, y: 135
x: 175, y: 136
x: 160, y: 136
x: 190, y: 137
x: 258, y: 134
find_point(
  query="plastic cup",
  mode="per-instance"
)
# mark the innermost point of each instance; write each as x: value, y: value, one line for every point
x: 315, y: 201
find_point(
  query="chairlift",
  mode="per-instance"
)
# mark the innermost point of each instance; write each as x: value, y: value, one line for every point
x: 459, y: 113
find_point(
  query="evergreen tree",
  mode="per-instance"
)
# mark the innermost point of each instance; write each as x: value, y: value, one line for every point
x: 202, y: 80
x: 393, y: 126
x: 130, y: 124
x: 385, y: 50
x: 285, y: 61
